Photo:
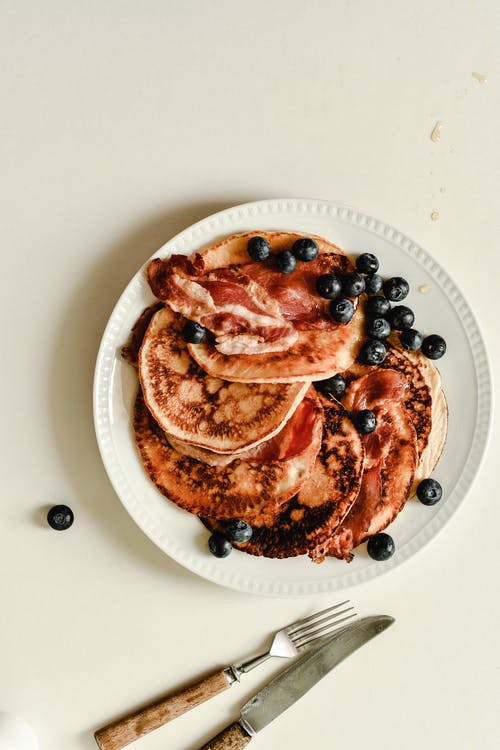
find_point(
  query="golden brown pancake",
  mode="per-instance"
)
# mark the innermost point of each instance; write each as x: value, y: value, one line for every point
x: 305, y: 523
x: 196, y: 408
x: 293, y: 438
x: 243, y: 489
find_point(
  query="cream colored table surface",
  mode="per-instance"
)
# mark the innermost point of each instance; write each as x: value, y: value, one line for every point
x: 122, y: 123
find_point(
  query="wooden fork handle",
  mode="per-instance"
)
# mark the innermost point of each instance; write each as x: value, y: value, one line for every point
x: 120, y: 733
x: 232, y: 737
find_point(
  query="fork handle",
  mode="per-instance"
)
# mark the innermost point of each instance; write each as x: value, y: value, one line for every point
x: 120, y: 733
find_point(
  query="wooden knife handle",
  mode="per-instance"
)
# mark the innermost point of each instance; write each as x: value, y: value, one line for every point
x: 232, y: 737
x: 120, y: 733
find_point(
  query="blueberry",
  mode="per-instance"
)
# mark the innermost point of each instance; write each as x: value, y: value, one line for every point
x: 219, y: 545
x: 367, y: 263
x: 258, y: 248
x: 373, y: 283
x: 353, y: 284
x: 365, y: 421
x: 238, y: 531
x: 377, y: 306
x: 328, y: 286
x: 411, y: 339
x: 60, y: 517
x: 396, y: 288
x: 380, y: 547
x: 378, y: 328
x: 373, y: 352
x: 429, y: 491
x: 433, y: 346
x: 401, y: 317
x: 305, y: 249
x: 286, y: 261
x: 334, y: 386
x: 341, y: 310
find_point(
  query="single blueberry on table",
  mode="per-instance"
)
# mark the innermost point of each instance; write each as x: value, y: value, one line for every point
x: 341, y: 310
x: 305, y: 249
x: 381, y: 547
x: 429, y: 491
x: 219, y: 545
x: 238, y: 530
x: 193, y: 332
x: 367, y: 263
x: 433, y: 346
x: 396, y: 288
x: 60, y: 517
x: 285, y: 261
x: 328, y: 286
x: 258, y: 248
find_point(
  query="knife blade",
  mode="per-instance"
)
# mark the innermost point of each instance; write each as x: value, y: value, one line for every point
x: 285, y: 689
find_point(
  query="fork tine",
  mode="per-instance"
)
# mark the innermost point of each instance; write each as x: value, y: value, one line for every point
x: 322, y: 632
x: 317, y: 624
x: 294, y: 626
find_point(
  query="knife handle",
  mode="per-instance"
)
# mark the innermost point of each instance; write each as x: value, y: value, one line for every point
x: 120, y: 733
x: 232, y: 737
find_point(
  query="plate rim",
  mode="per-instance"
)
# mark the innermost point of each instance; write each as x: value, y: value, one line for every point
x: 224, y: 575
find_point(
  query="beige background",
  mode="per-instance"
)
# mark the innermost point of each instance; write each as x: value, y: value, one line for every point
x: 122, y: 123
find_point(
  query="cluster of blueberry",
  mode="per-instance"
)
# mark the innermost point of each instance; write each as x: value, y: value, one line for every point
x: 383, y: 318
x: 305, y: 249
x: 235, y: 530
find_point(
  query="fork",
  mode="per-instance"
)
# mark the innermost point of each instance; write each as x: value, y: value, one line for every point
x: 286, y: 643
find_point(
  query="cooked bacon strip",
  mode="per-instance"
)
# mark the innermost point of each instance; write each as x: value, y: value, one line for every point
x: 296, y: 293
x: 374, y: 388
x: 241, y: 314
x: 390, y: 459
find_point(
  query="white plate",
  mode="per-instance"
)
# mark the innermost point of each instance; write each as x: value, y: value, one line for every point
x: 466, y: 380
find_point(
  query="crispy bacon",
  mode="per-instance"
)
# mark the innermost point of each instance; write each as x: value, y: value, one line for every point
x: 374, y: 388
x: 296, y: 293
x: 390, y: 459
x: 250, y: 308
x: 241, y: 314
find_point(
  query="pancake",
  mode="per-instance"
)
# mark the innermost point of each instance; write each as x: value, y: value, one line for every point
x: 294, y: 438
x: 244, y: 489
x: 202, y: 410
x: 431, y: 426
x: 318, y: 348
x: 305, y: 524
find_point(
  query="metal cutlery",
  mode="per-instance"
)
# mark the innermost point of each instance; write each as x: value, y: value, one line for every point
x: 285, y: 689
x: 286, y: 643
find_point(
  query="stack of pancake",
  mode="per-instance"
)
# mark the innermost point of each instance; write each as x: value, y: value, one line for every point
x: 248, y: 436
